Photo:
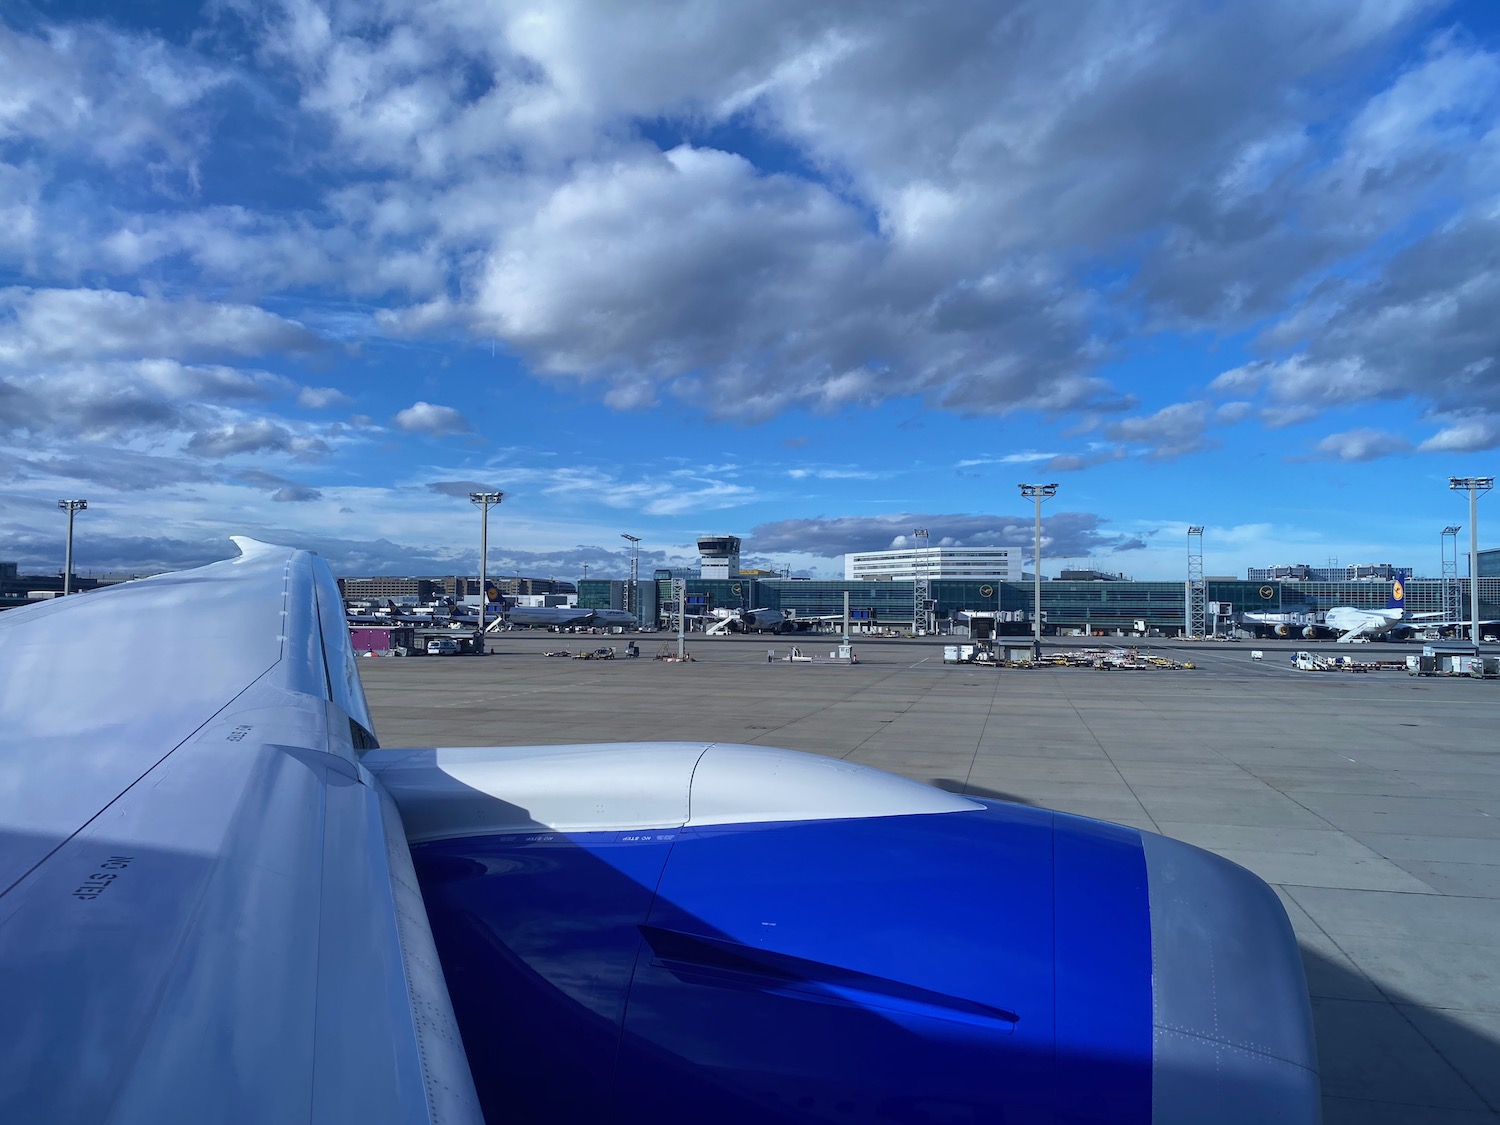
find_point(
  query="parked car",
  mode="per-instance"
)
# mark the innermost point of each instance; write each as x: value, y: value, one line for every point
x: 442, y: 646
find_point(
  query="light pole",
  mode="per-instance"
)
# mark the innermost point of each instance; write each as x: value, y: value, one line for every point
x: 920, y: 589
x: 1452, y: 599
x: 1197, y: 588
x: 1474, y: 486
x: 635, y: 575
x: 679, y: 587
x: 1037, y: 492
x: 485, y: 500
x: 70, y: 506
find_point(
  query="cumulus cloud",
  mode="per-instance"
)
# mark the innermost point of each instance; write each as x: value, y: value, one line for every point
x: 46, y: 326
x: 434, y: 421
x: 1363, y: 444
x: 688, y: 491
x: 282, y: 490
x: 94, y: 401
x: 691, y: 271
x: 321, y: 398
x: 748, y: 294
x: 800, y: 206
x: 1064, y: 534
x: 1097, y: 453
x: 521, y: 153
x: 670, y: 492
x: 260, y: 435
x: 1424, y: 329
x: 1171, y: 432
x: 114, y: 96
x: 831, y: 472
x: 1466, y: 435
x: 122, y: 469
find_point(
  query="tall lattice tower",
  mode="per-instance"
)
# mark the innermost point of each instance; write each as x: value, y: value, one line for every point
x: 921, y: 584
x: 1197, y: 589
x: 1453, y: 591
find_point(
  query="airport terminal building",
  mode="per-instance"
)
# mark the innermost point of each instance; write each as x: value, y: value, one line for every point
x: 881, y: 589
x: 987, y: 581
x: 436, y: 587
x: 1074, y: 607
x: 1002, y: 564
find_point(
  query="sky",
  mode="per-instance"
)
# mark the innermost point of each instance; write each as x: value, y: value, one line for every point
x: 813, y: 274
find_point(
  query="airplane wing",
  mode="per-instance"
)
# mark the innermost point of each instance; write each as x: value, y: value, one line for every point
x: 1420, y: 620
x: 207, y: 908
x: 219, y: 901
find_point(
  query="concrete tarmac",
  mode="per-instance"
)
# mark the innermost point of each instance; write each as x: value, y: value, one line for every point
x: 1370, y: 802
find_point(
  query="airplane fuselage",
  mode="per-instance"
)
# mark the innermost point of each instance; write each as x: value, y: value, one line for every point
x: 1351, y: 622
x: 559, y: 615
x: 767, y: 621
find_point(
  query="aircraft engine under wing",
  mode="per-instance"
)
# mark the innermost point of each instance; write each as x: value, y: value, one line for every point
x: 739, y: 934
x: 220, y: 902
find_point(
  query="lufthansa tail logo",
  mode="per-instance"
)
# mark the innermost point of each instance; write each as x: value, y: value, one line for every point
x: 1398, y: 591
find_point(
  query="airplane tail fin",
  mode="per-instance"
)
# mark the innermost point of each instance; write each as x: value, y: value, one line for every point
x: 1397, y: 600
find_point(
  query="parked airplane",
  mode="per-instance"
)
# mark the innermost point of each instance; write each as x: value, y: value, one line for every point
x: 1353, y: 623
x: 558, y: 615
x: 771, y: 621
x: 546, y: 615
x: 219, y: 901
x: 567, y: 615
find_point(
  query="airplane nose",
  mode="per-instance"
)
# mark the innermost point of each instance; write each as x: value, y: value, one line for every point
x: 1232, y: 1035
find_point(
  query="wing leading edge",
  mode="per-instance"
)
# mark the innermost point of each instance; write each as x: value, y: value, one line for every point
x: 205, y: 912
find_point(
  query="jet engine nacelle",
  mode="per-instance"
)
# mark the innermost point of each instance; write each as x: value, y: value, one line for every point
x: 1283, y: 630
x: 1309, y: 631
x: 739, y: 934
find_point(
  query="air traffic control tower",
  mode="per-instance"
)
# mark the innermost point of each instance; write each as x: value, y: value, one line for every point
x: 718, y: 556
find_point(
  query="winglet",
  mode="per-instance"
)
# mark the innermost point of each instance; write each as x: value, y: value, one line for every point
x: 252, y: 548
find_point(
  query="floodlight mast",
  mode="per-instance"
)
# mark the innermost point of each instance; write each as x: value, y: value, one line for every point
x: 1037, y: 492
x: 1474, y: 486
x: 921, y: 589
x: 1197, y: 589
x: 635, y: 573
x: 70, y: 506
x: 679, y: 587
x: 1453, y: 602
x: 485, y: 500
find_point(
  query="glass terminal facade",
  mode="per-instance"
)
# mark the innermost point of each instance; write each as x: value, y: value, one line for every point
x: 1093, y: 606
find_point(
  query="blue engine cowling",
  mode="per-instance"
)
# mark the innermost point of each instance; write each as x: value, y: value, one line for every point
x: 997, y: 964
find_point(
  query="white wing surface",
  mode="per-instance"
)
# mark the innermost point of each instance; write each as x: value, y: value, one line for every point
x: 207, y: 911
